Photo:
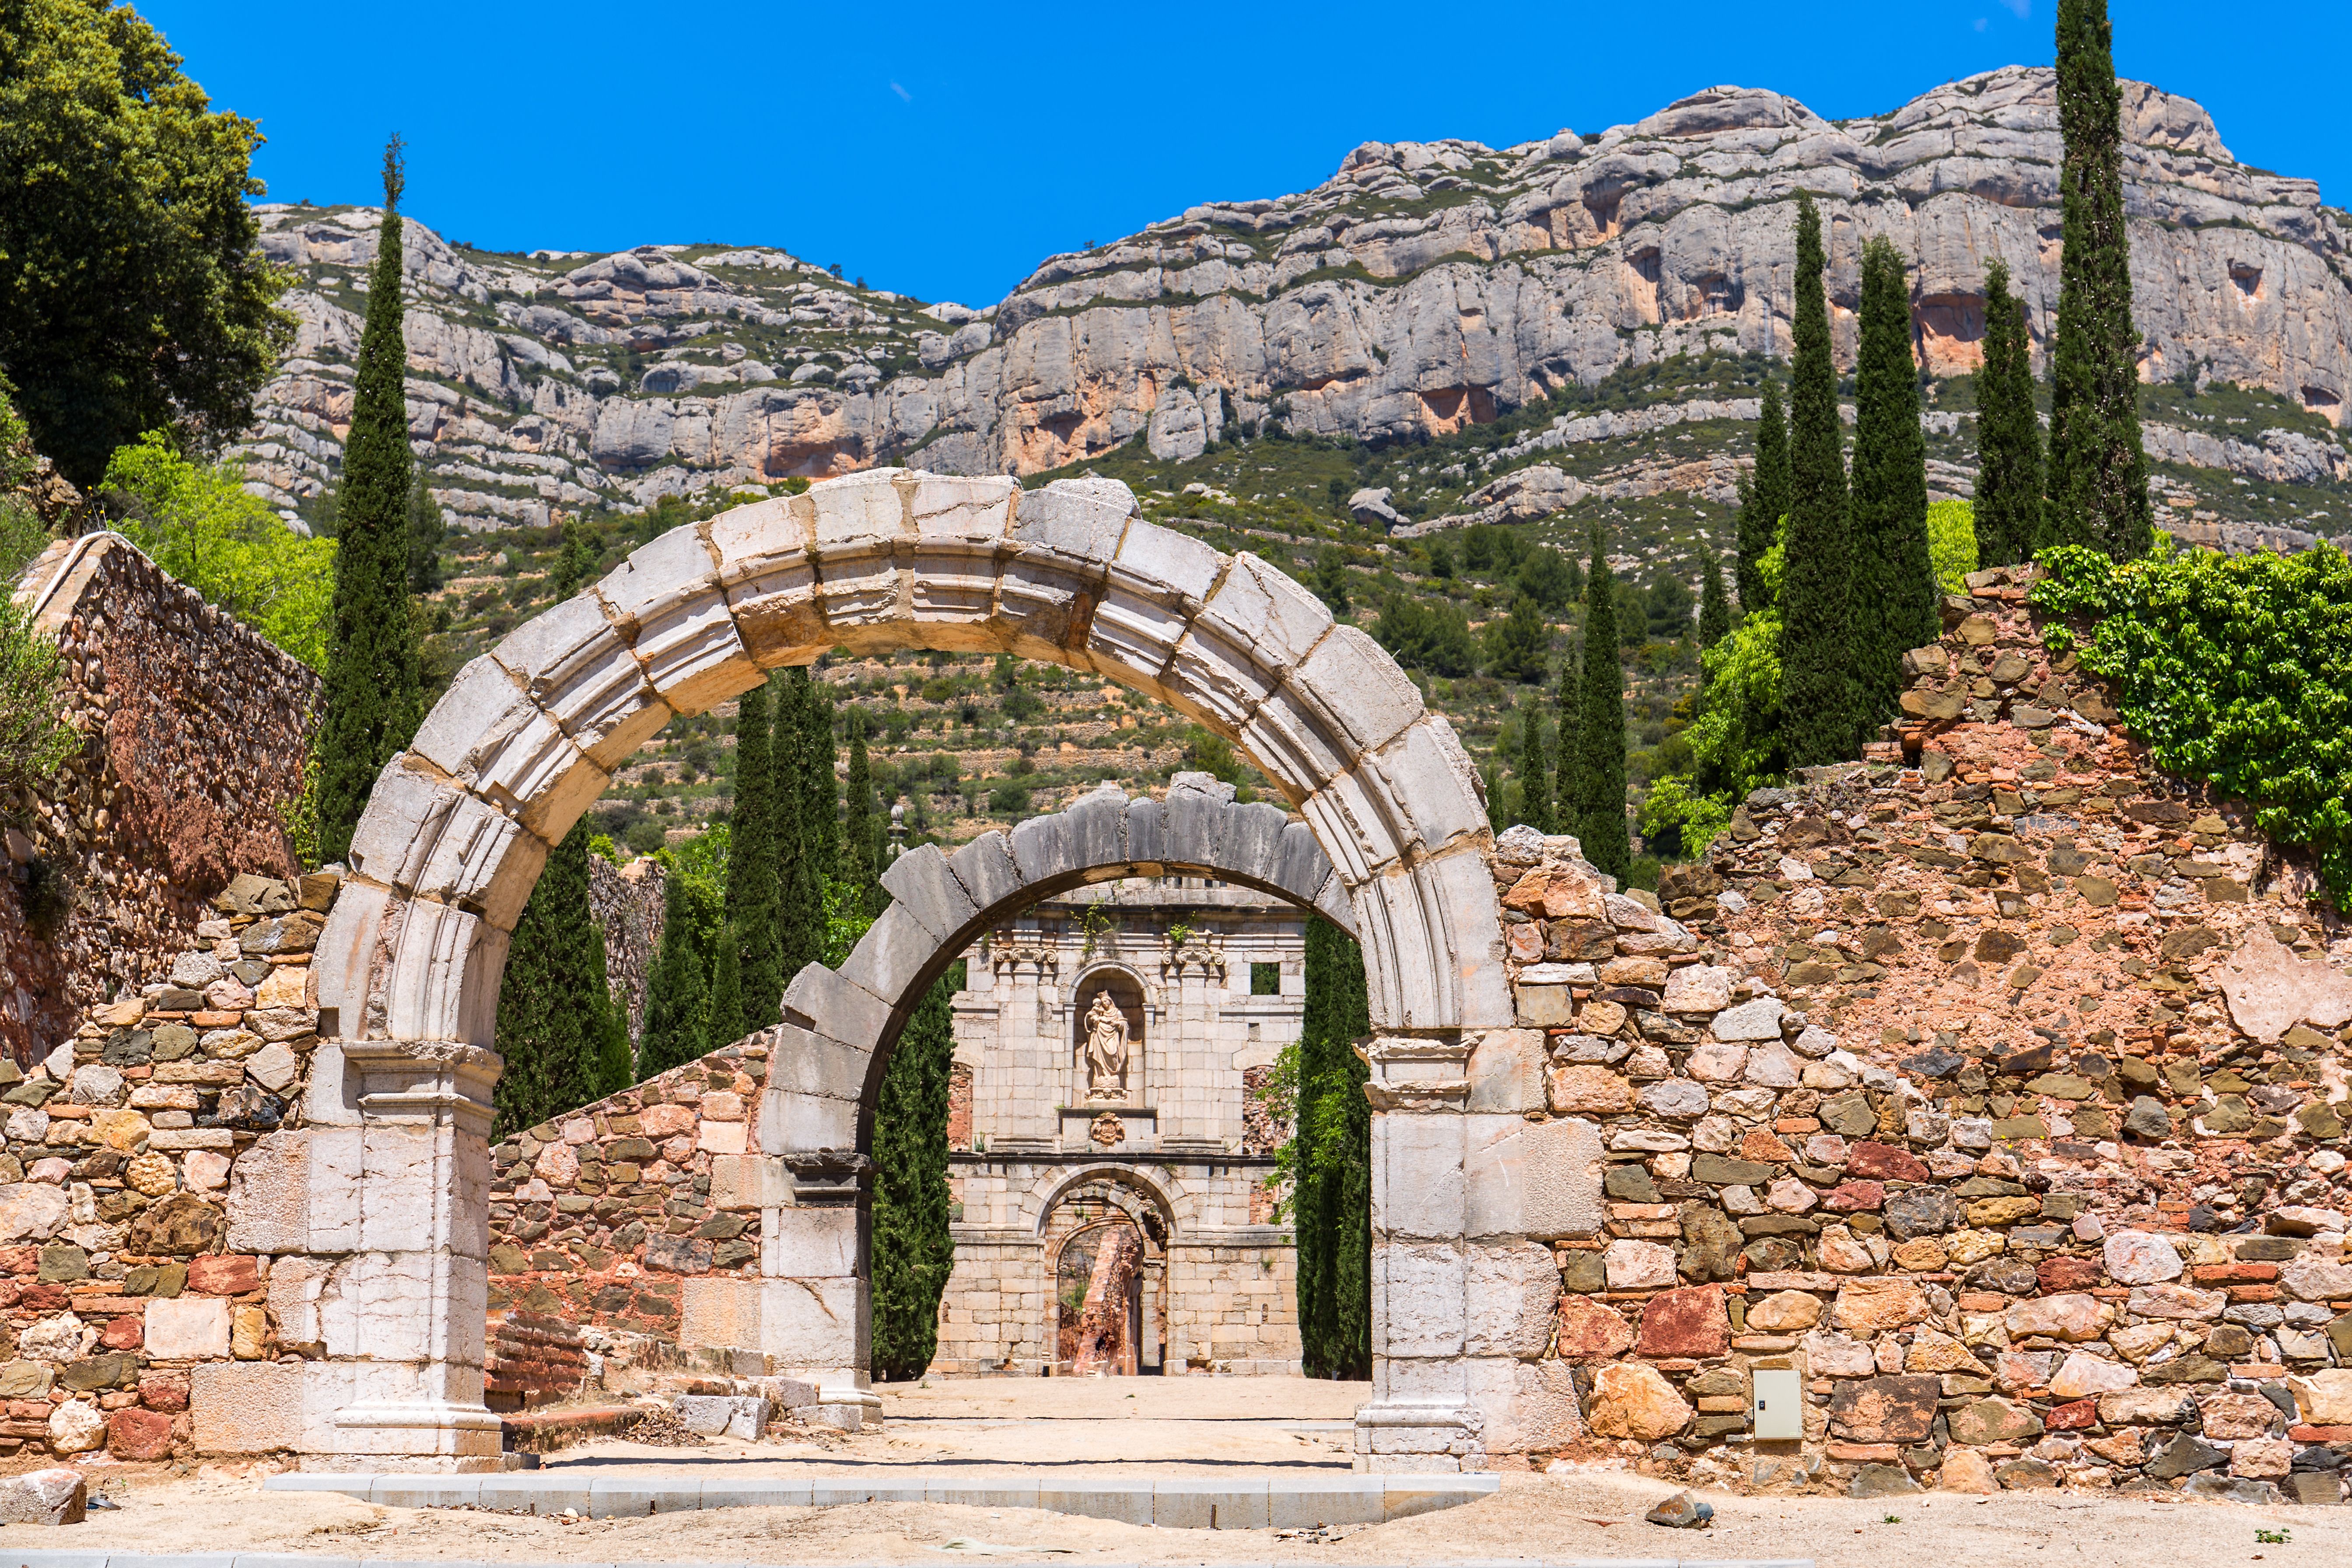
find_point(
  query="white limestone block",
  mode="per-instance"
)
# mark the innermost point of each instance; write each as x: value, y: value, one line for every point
x: 1360, y: 687
x: 187, y: 1328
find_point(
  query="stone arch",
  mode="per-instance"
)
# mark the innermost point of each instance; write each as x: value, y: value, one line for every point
x: 1164, y: 1197
x: 458, y: 827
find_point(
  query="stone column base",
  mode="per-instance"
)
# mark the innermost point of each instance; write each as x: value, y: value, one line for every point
x: 420, y: 1436
x: 847, y: 1407
x: 1401, y: 1436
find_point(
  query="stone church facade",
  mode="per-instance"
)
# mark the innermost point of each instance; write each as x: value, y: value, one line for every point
x: 1109, y: 1156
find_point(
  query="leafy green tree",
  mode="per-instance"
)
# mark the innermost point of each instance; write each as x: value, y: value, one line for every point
x: 1518, y: 646
x: 1893, y: 597
x: 1666, y: 609
x: 1763, y: 497
x: 2009, y: 437
x: 1426, y: 634
x: 1535, y: 771
x: 371, y: 699
x: 1817, y: 647
x: 753, y: 862
x: 1549, y: 578
x: 1497, y: 820
x: 427, y: 529
x: 1952, y: 544
x: 35, y: 742
x: 1714, y: 605
x: 678, y: 992
x: 913, y: 1250
x: 575, y: 561
x: 133, y: 293
x: 1600, y: 822
x: 2098, y: 470
x: 550, y: 1025
x: 199, y: 524
x: 1331, y: 1198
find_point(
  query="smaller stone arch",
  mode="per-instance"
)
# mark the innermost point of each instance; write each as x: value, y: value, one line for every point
x: 1165, y: 1194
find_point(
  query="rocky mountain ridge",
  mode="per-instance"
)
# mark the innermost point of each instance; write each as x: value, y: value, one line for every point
x: 1417, y: 293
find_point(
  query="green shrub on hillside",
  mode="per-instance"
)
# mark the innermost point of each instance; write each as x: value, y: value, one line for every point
x: 2236, y: 670
x: 1952, y: 544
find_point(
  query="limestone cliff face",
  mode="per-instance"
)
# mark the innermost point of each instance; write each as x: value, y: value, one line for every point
x: 1421, y: 289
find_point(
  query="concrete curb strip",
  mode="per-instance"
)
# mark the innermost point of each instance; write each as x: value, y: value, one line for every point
x: 1203, y: 1502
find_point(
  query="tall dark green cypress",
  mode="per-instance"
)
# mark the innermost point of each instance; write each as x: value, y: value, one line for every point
x: 857, y: 868
x: 1763, y: 500
x: 820, y: 796
x: 913, y: 1249
x: 370, y: 697
x: 1599, y: 823
x: 616, y: 1065
x: 1331, y: 1210
x: 1817, y: 647
x: 2009, y: 438
x: 1893, y: 592
x: 752, y: 895
x: 575, y: 561
x: 725, y: 1026
x: 1714, y: 605
x: 550, y: 1039
x: 799, y: 878
x: 426, y: 529
x: 678, y: 992
x: 1535, y: 769
x: 1492, y: 776
x: 2098, y: 470
x: 1567, y: 715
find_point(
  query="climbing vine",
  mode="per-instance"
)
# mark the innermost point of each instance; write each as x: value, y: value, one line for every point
x: 2236, y: 670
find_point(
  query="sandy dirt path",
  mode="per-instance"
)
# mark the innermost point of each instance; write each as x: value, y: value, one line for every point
x: 1177, y: 1426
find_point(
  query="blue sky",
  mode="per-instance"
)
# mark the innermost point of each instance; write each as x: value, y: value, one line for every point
x: 944, y: 149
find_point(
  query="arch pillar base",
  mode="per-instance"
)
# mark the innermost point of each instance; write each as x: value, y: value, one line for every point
x: 1417, y: 1437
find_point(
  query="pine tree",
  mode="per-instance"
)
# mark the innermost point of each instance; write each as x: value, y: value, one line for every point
x: 427, y: 530
x: 677, y: 995
x: 1714, y: 607
x: 1817, y: 649
x: 800, y: 882
x: 1893, y: 595
x: 1331, y: 1208
x: 751, y: 862
x: 2098, y: 471
x: 913, y: 1249
x: 1600, y: 822
x: 1535, y: 771
x: 550, y: 1040
x: 371, y: 694
x: 1763, y: 500
x: 857, y: 823
x: 2009, y: 437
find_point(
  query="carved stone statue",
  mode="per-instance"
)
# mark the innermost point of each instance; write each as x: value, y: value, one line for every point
x: 1106, y: 1049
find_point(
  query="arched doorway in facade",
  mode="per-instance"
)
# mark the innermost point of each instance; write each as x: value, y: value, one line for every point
x: 458, y: 827
x: 1104, y: 1249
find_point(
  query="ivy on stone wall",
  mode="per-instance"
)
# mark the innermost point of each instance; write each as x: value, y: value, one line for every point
x: 2236, y: 670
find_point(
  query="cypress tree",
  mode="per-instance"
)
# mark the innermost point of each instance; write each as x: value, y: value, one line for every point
x: 800, y: 884
x: 1763, y: 500
x: 1493, y: 781
x: 1332, y: 1208
x: 2009, y: 437
x: 1568, y: 702
x: 575, y: 561
x: 1894, y: 590
x: 616, y: 1067
x: 725, y: 1026
x: 677, y: 995
x: 913, y: 1250
x: 751, y: 862
x: 426, y: 529
x: 370, y: 699
x: 821, y: 791
x: 1714, y: 607
x: 2098, y: 471
x: 1599, y: 822
x: 857, y: 868
x: 1535, y: 771
x: 550, y: 1040
x: 1817, y: 649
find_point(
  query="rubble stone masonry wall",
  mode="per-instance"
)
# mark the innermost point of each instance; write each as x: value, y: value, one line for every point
x: 1994, y: 1086
x: 195, y: 730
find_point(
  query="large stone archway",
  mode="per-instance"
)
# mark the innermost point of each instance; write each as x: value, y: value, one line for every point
x: 458, y: 829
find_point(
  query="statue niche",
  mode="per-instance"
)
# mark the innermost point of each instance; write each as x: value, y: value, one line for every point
x: 1109, y: 1040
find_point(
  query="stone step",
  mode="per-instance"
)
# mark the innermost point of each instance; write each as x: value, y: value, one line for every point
x: 1181, y: 1502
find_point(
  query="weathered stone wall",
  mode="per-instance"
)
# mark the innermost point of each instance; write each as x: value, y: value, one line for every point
x: 597, y: 1217
x: 122, y: 1269
x: 195, y: 730
x: 1998, y: 1096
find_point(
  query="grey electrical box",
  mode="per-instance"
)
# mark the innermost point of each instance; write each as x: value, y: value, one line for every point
x: 1780, y: 1413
